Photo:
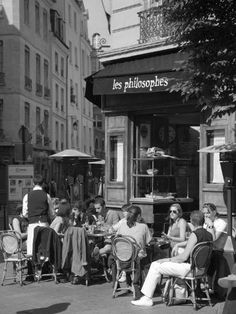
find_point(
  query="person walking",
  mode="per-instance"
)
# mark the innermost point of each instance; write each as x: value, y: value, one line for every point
x: 38, y: 207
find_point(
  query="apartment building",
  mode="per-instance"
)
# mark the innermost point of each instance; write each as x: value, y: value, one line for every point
x: 80, y: 111
x: 25, y: 86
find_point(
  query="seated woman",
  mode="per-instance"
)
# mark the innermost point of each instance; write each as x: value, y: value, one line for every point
x: 174, y: 266
x: 60, y: 222
x: 177, y: 225
x: 140, y: 232
x: 20, y: 224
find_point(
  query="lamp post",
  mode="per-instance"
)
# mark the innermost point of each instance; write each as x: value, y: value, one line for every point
x: 228, y: 166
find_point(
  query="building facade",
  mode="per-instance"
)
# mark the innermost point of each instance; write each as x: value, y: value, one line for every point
x: 44, y: 58
x: 142, y: 115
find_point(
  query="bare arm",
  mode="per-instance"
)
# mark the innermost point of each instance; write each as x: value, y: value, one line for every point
x: 16, y: 227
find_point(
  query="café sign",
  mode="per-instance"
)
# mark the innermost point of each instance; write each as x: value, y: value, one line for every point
x: 144, y: 83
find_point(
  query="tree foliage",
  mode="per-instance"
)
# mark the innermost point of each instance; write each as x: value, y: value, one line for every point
x: 206, y: 30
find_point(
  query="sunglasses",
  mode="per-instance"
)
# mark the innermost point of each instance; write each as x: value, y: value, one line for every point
x: 174, y: 211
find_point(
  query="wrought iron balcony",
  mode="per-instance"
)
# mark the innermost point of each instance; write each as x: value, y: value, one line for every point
x: 2, y: 78
x: 152, y: 25
x: 28, y: 83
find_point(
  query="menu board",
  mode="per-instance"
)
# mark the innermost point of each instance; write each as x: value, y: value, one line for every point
x: 20, y: 181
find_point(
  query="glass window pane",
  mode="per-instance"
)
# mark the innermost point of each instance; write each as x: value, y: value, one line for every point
x: 214, y: 173
x: 117, y: 158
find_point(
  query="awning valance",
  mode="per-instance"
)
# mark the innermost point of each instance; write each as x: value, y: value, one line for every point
x: 220, y: 148
x: 147, y: 75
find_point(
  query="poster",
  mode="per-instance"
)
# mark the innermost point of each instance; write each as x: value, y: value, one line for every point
x: 20, y: 181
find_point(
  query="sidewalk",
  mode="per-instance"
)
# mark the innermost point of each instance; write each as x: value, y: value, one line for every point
x: 47, y: 297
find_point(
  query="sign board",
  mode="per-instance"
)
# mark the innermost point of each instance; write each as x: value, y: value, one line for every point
x: 20, y: 181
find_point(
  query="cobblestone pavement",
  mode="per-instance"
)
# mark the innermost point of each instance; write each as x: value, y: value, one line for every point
x: 46, y: 297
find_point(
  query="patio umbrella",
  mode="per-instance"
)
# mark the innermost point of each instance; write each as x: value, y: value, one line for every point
x: 98, y: 162
x: 71, y: 153
x: 220, y: 148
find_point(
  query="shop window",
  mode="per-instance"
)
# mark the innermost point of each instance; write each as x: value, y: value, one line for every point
x: 214, y: 173
x: 116, y: 145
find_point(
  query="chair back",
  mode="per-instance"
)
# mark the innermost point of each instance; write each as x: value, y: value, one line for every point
x: 10, y: 242
x: 200, y: 258
x: 125, y: 248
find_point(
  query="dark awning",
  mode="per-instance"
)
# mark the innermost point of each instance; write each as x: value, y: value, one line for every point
x: 146, y: 75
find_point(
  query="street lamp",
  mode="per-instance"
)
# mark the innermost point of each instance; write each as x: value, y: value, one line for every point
x: 98, y: 43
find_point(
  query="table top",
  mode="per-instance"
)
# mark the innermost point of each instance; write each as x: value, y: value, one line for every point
x: 159, y: 241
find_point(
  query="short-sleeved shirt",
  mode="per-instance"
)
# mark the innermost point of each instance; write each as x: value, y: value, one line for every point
x: 139, y: 232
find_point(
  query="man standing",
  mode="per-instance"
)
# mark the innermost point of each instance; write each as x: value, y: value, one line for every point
x: 37, y: 206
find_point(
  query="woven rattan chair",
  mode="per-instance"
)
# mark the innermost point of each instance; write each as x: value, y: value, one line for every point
x: 199, y: 259
x: 125, y: 251
x: 11, y: 247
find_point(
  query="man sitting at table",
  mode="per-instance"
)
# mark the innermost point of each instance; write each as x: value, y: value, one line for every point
x: 175, y: 266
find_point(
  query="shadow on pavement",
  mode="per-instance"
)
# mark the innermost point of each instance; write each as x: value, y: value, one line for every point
x: 52, y: 309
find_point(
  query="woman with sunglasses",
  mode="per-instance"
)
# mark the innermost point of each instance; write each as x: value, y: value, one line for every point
x: 177, y: 225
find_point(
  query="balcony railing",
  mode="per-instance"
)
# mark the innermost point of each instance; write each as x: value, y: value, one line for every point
x: 153, y: 26
x: 28, y: 83
x: 46, y: 92
x: 2, y: 78
x: 39, y: 89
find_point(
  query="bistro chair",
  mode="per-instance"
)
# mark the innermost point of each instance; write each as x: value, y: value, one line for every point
x: 199, y: 259
x: 11, y: 247
x: 125, y: 252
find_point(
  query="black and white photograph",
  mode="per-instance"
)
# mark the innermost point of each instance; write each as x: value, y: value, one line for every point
x: 117, y: 156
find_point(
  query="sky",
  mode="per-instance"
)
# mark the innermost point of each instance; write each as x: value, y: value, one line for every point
x: 97, y: 22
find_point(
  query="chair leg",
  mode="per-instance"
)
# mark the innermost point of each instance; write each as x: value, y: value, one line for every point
x: 171, y: 292
x: 4, y: 272
x: 194, y: 301
x: 206, y: 289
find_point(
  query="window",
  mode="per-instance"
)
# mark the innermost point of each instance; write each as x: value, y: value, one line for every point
x: 27, y: 115
x: 1, y: 55
x: 76, y: 93
x: 56, y: 62
x: 62, y: 99
x: 62, y: 136
x: 57, y: 135
x: 116, y: 145
x: 83, y: 63
x: 46, y: 122
x: 214, y: 173
x: 85, y: 139
x: 37, y: 18
x: 90, y: 140
x: 62, y: 66
x: 75, y: 21
x: 38, y: 114
x: 57, y: 96
x: 70, y: 52
x: 69, y: 14
x: 1, y: 114
x: 45, y: 71
x: 38, y: 69
x: 27, y: 61
x: 96, y: 144
x: 45, y: 24
x: 26, y: 12
x: 84, y: 101
x: 76, y: 57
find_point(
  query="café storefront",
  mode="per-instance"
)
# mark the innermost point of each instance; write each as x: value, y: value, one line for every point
x: 152, y: 137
